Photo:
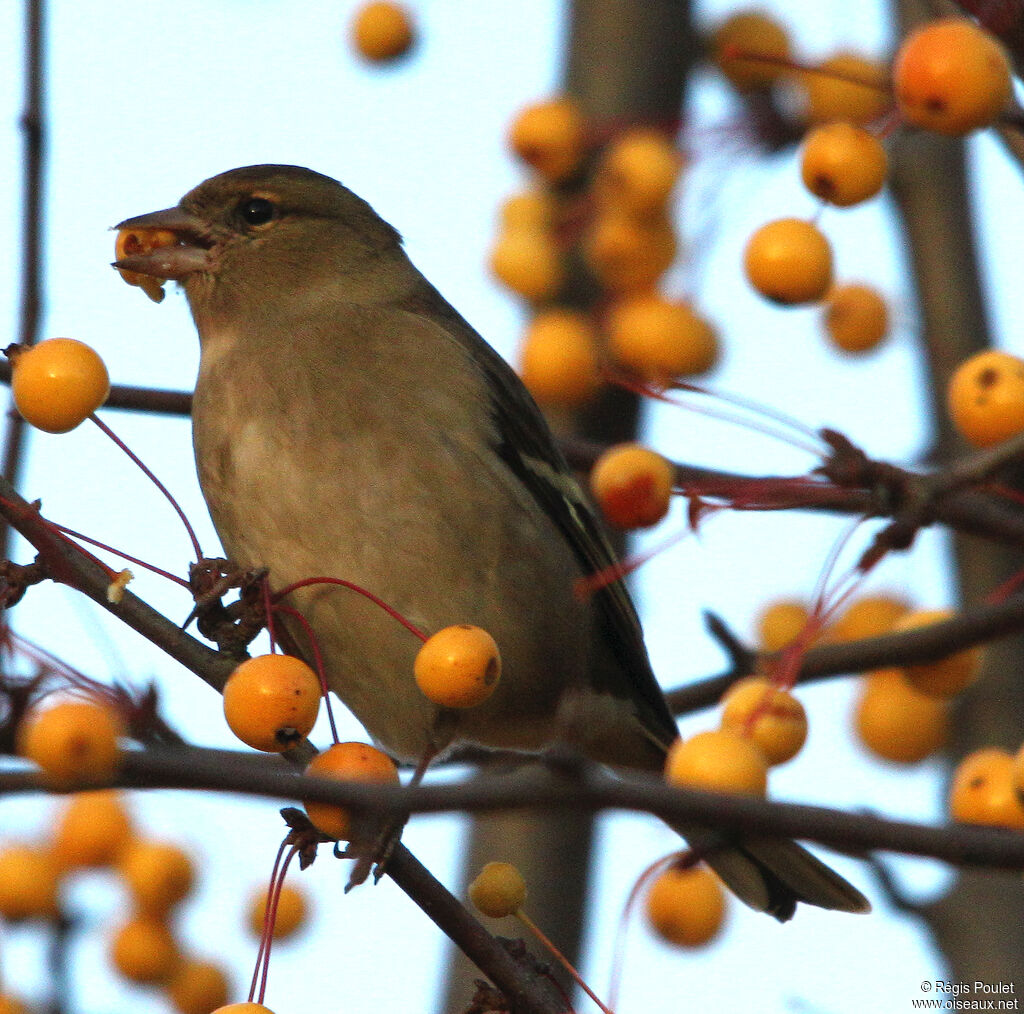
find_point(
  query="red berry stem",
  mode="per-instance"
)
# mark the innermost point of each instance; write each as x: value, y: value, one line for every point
x: 266, y: 917
x: 318, y: 661
x: 584, y: 587
x: 270, y: 917
x: 390, y: 610
x: 156, y: 482
x: 63, y: 529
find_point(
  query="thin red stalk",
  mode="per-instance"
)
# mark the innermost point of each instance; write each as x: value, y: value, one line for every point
x: 621, y: 931
x: 773, y: 59
x: 318, y: 661
x: 271, y: 917
x: 646, y: 390
x: 266, y: 914
x: 124, y: 556
x: 587, y: 586
x: 351, y: 586
x: 156, y: 482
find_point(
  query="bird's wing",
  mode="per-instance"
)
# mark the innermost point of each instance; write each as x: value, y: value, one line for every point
x: 526, y: 446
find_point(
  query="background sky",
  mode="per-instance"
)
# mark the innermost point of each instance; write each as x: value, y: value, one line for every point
x: 145, y: 101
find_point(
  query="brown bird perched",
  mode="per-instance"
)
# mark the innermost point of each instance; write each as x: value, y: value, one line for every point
x: 348, y: 422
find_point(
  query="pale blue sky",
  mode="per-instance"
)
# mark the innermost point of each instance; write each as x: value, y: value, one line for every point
x: 148, y: 99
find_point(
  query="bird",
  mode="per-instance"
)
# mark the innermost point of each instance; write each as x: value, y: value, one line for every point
x: 347, y: 421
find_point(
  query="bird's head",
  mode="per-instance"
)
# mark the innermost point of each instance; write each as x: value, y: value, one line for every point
x: 260, y: 234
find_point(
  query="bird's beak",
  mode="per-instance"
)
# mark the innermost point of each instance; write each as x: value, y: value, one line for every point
x: 189, y: 254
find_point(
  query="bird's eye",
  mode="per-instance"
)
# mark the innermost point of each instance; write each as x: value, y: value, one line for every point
x: 257, y: 211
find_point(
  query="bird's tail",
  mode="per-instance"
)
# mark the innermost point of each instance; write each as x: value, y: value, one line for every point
x: 773, y: 874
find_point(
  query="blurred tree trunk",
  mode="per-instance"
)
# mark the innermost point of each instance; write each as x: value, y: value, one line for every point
x: 977, y: 925
x: 626, y: 62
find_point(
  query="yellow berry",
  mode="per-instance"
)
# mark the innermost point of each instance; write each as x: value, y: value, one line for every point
x: 134, y: 242
x: 686, y: 907
x: 952, y: 77
x: 10, y: 1004
x: 789, y: 261
x: 29, y: 883
x: 947, y: 676
x: 638, y: 171
x: 846, y: 87
x: 458, y: 667
x: 197, y: 987
x: 549, y: 137
x: 843, y: 164
x: 751, y: 49
x: 721, y: 761
x: 144, y: 950
x: 558, y: 358
x: 91, y: 830
x: 986, y: 397
x: 632, y: 485
x: 72, y: 740
x: 158, y: 875
x: 982, y: 790
x: 290, y: 915
x: 856, y: 318
x: 530, y: 210
x: 58, y: 383
x: 772, y: 718
x: 781, y: 623
x: 629, y: 254
x: 898, y: 723
x: 271, y: 702
x: 382, y: 31
x: 659, y: 339
x: 346, y: 762
x: 528, y: 262
x: 498, y: 890
x: 870, y: 616
x: 243, y: 1008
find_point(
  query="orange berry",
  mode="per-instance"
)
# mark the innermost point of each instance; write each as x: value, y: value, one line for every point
x: 870, y: 616
x: 558, y: 358
x: 632, y: 485
x: 843, y: 164
x: 346, y: 762
x: 91, y: 830
x: 29, y: 883
x: 629, y: 254
x: 243, y: 1008
x: 158, y: 875
x: 1018, y: 772
x: 949, y: 675
x: 780, y: 727
x: 549, y: 137
x: 498, y: 890
x: 144, y: 950
x: 638, y: 171
x: 986, y: 397
x: 660, y: 339
x: 686, y: 907
x: 382, y: 31
x: 529, y: 210
x: 271, y: 702
x: 751, y: 49
x: 982, y: 790
x: 952, y: 77
x: 197, y: 987
x: 290, y: 916
x: 458, y: 667
x: 846, y: 87
x: 528, y: 262
x: 10, y: 1004
x: 898, y: 723
x: 58, y: 383
x: 856, y: 318
x: 781, y: 623
x: 721, y: 761
x: 132, y: 243
x: 72, y: 740
x: 789, y: 261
